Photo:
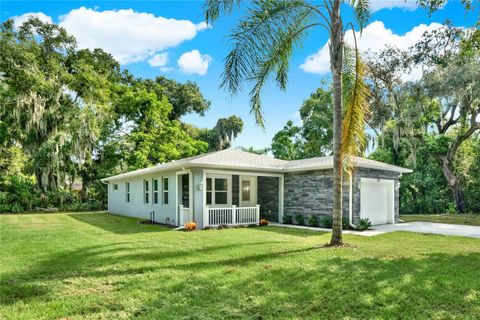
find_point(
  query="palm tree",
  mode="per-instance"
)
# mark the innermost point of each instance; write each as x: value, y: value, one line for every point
x: 261, y: 46
x: 227, y: 130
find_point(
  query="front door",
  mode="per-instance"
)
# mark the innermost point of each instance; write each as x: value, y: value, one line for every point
x: 248, y: 191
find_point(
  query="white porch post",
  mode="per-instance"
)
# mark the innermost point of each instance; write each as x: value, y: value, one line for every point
x: 190, y: 196
x: 204, y: 200
x: 258, y: 214
x: 281, y: 195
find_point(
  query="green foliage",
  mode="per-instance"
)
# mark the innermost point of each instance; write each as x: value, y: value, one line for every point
x: 185, y: 98
x: 364, y: 224
x: 72, y: 115
x: 313, y: 221
x: 262, y: 151
x: 432, y: 125
x: 287, y: 143
x: 299, y: 219
x: 21, y: 193
x: 326, y: 222
x: 314, y: 137
x: 288, y: 219
x: 222, y: 135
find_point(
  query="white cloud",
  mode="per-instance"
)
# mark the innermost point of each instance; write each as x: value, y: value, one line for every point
x: 194, y: 62
x: 376, y: 5
x: 374, y: 37
x: 159, y: 60
x: 128, y: 35
x: 19, y: 20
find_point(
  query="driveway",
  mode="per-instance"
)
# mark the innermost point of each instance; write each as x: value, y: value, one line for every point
x: 424, y: 227
x: 419, y: 227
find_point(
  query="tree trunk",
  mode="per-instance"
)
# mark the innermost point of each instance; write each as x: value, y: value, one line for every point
x: 336, y: 64
x: 454, y: 185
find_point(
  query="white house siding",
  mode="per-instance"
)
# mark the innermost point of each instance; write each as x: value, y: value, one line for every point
x: 117, y: 203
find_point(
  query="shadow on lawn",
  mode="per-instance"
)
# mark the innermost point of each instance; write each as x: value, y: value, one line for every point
x: 116, y: 224
x: 101, y: 261
x: 221, y: 281
x: 292, y: 231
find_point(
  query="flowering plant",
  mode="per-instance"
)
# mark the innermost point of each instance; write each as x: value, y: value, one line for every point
x: 263, y: 222
x: 191, y: 226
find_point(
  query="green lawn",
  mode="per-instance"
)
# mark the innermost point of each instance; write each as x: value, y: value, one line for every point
x: 99, y: 266
x: 466, y: 219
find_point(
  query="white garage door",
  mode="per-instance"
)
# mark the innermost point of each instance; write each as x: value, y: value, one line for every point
x: 376, y: 200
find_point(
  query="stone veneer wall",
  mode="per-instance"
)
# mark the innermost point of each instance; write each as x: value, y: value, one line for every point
x: 311, y: 192
x: 267, y: 197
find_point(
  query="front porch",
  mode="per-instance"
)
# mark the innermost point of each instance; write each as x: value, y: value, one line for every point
x: 213, y: 197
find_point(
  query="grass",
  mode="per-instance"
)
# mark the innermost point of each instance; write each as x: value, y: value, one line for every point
x: 99, y: 266
x: 465, y: 219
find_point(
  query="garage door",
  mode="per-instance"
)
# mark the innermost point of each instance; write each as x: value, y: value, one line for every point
x: 376, y: 200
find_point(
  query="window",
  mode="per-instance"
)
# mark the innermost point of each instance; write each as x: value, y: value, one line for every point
x: 127, y: 188
x: 245, y: 190
x: 146, y: 191
x: 115, y: 186
x: 155, y: 191
x: 185, y: 190
x: 165, y: 190
x: 217, y: 191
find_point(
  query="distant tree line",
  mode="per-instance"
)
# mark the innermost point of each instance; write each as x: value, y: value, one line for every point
x: 74, y: 115
x: 431, y: 125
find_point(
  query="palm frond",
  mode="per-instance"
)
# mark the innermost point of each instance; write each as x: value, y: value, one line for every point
x: 213, y: 9
x: 356, y: 108
x: 262, y: 45
x: 362, y: 12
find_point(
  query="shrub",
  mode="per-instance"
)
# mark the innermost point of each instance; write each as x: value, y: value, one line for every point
x: 364, y: 224
x: 300, y: 219
x: 345, y: 224
x: 327, y: 222
x: 287, y: 219
x: 190, y: 226
x: 263, y: 222
x: 268, y: 215
x: 313, y: 221
x: 223, y: 226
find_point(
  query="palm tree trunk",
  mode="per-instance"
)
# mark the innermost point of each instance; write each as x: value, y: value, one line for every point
x: 336, y: 64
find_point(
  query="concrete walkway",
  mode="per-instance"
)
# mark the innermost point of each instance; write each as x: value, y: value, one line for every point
x: 419, y: 227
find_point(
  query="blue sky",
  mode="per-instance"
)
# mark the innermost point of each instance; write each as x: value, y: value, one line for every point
x: 169, y: 38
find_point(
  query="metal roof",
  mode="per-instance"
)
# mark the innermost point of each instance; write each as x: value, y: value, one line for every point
x: 235, y: 159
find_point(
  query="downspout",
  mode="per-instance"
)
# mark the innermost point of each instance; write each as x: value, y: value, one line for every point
x: 350, y: 202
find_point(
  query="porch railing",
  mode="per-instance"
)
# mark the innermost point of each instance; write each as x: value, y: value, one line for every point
x: 186, y: 215
x: 233, y: 215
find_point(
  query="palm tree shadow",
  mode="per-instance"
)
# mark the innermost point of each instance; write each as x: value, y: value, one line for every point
x: 292, y: 231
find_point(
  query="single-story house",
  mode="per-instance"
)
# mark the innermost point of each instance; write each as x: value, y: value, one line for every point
x: 237, y: 187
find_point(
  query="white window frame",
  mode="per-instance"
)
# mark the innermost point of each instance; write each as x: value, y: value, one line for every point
x: 165, y: 192
x: 228, y: 191
x: 146, y: 191
x: 154, y: 192
x: 127, y: 192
